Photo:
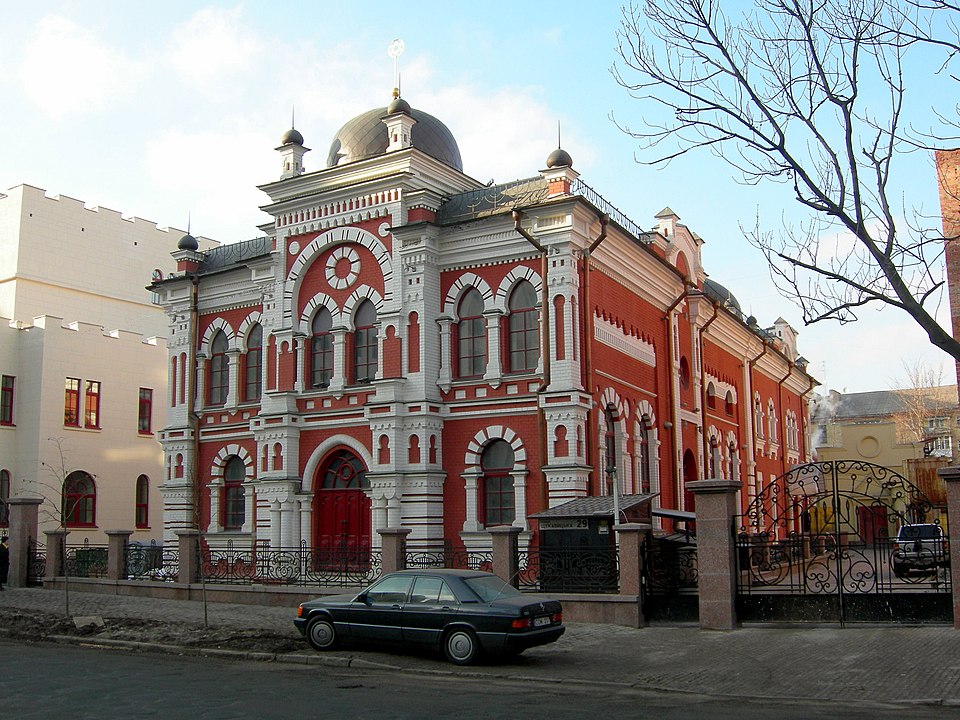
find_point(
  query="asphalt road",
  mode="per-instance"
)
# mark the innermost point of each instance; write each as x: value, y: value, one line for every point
x: 46, y: 681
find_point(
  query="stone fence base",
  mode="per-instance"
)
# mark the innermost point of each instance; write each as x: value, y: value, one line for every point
x: 578, y: 608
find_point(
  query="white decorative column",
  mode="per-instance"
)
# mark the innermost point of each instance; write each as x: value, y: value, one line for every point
x: 338, y: 379
x: 301, y: 356
x: 275, y: 524
x: 471, y: 523
x: 306, y: 516
x: 520, y: 499
x: 233, y: 377
x: 200, y: 397
x: 445, y: 377
x: 288, y: 524
x: 494, y: 372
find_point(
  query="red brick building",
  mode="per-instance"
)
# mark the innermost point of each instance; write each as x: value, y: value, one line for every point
x: 375, y: 359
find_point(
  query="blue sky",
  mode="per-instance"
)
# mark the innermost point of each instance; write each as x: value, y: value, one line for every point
x: 161, y: 110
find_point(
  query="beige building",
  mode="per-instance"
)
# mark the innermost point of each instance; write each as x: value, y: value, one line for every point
x: 912, y: 432
x: 82, y: 364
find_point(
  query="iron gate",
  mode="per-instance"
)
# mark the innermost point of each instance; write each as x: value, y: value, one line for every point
x: 819, y: 544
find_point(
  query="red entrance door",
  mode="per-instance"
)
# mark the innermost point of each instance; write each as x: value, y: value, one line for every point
x: 341, y: 511
x: 343, y: 523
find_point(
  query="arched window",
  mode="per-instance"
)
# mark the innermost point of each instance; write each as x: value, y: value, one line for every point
x: 141, y: 512
x: 79, y: 500
x: 711, y: 396
x: 471, y: 336
x: 321, y: 349
x: 499, y: 504
x: 365, y: 343
x: 233, y: 503
x: 758, y: 417
x: 4, y: 497
x: 254, y: 363
x: 345, y: 471
x: 645, y: 446
x: 524, y: 341
x: 219, y: 369
x: 728, y: 403
x: 610, y: 448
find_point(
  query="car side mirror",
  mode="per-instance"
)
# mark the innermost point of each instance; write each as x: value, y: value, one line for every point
x: 362, y: 597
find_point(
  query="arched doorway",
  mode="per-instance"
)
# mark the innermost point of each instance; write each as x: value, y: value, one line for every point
x: 341, y: 510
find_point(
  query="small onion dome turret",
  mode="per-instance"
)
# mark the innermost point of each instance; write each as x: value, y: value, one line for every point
x: 291, y: 137
x: 559, y: 158
x: 398, y: 104
x: 188, y: 242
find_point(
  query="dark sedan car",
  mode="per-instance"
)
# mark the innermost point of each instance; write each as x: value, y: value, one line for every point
x: 461, y: 612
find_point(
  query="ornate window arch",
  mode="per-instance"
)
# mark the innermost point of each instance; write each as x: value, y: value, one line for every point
x: 321, y: 348
x: 365, y: 350
x: 482, y: 465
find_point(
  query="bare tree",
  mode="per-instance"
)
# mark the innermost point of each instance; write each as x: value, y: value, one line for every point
x: 813, y: 94
x: 57, y: 506
x: 923, y: 397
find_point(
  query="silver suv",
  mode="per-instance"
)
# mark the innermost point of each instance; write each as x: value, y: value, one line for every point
x: 919, y: 547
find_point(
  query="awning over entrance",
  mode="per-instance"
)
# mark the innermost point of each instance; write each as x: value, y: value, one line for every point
x: 635, y: 507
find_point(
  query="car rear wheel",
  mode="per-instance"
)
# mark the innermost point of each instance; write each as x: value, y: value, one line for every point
x: 321, y: 634
x: 461, y: 646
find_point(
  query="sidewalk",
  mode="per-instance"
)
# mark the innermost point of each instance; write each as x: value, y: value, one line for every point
x: 880, y: 664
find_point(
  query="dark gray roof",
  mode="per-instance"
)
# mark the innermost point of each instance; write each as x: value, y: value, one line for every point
x: 719, y: 293
x: 879, y: 403
x: 224, y: 255
x: 598, y: 506
x: 492, y: 200
x: 365, y: 136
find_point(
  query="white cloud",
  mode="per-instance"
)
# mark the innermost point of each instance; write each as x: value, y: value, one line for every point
x: 211, y: 44
x: 66, y: 69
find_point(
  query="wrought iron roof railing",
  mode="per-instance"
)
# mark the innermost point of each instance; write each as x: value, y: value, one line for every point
x: 497, y: 199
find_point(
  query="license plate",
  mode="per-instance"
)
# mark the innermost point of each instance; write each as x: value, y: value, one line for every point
x: 541, y: 621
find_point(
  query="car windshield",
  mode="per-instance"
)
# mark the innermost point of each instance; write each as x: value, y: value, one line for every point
x: 489, y: 588
x: 919, y: 532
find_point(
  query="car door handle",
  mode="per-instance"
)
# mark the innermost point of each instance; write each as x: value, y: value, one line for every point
x: 395, y: 606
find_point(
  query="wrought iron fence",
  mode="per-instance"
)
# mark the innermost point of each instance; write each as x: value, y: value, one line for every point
x: 450, y: 558
x: 577, y: 571
x: 36, y: 563
x: 85, y: 561
x: 151, y: 562
x: 300, y: 565
x: 670, y: 567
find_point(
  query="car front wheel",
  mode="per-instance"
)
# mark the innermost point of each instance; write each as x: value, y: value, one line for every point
x: 461, y: 647
x: 321, y: 634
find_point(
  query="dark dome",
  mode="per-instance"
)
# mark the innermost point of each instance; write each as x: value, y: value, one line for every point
x: 559, y: 158
x: 398, y: 105
x: 719, y: 293
x: 188, y: 242
x: 291, y: 137
x: 366, y: 136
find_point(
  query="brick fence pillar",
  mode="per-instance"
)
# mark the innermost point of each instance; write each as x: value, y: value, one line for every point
x: 56, y: 553
x: 394, y: 549
x: 117, y: 553
x: 189, y: 549
x: 24, y: 514
x: 506, y: 546
x: 951, y: 476
x: 716, y: 564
